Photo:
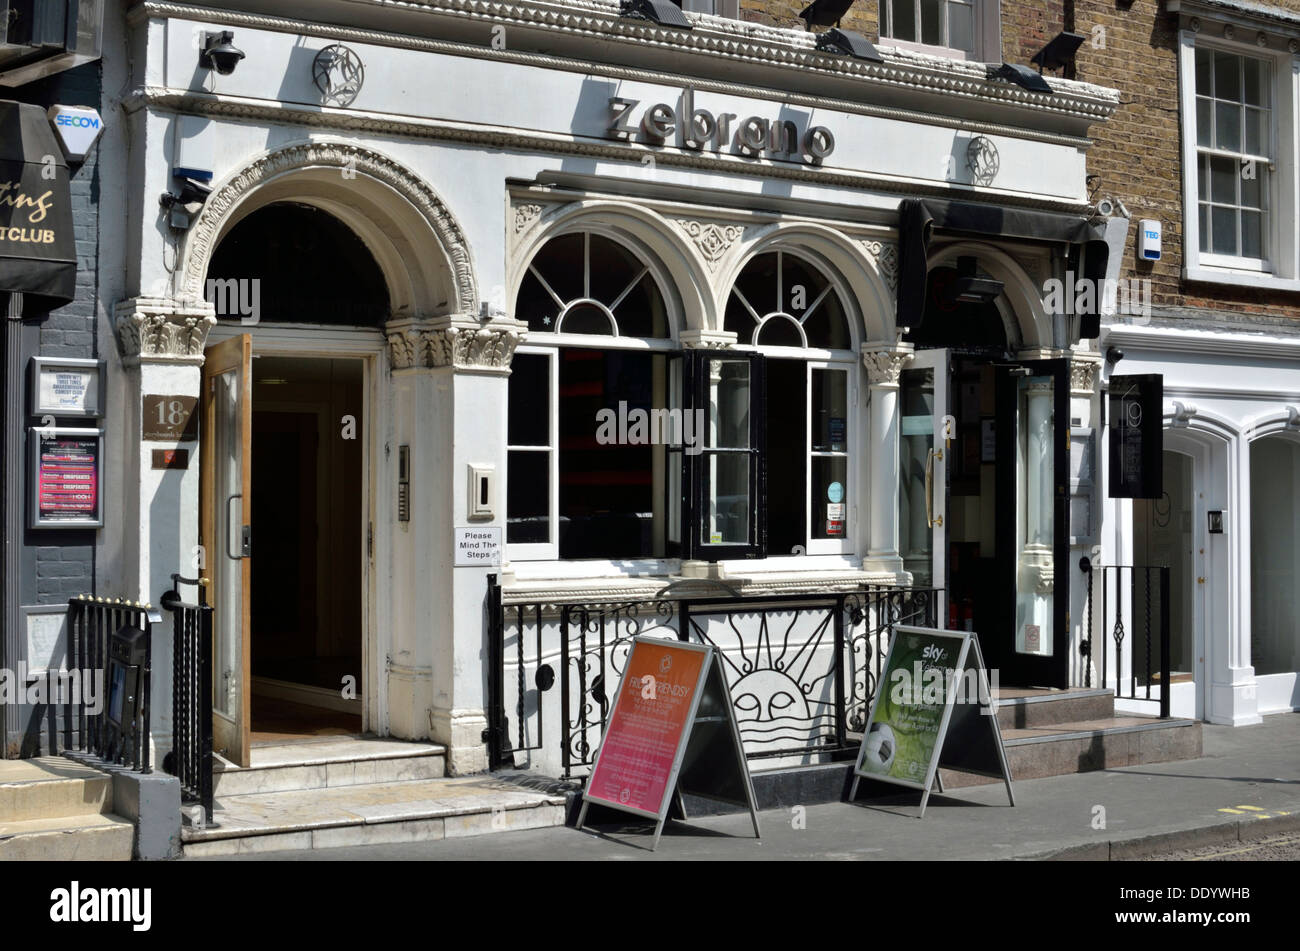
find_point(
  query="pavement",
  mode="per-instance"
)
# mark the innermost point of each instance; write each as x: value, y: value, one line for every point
x: 1245, y: 789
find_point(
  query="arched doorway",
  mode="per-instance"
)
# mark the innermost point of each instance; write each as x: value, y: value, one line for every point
x: 984, y: 476
x: 285, y: 507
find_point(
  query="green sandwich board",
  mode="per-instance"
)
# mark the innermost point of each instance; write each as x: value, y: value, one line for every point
x: 932, y: 709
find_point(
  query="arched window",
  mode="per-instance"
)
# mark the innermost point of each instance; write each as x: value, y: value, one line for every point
x: 781, y: 300
x: 584, y: 479
x: 586, y: 283
x: 779, y: 303
x: 1275, y: 555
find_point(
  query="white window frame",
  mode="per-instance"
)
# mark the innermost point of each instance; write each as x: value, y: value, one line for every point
x: 1279, y: 269
x: 717, y: 8
x: 987, y: 34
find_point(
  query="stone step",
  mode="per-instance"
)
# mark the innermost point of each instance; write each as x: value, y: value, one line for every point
x: 371, y: 814
x: 51, y: 787
x: 327, y: 763
x: 1083, y: 746
x: 1031, y: 708
x: 89, y: 838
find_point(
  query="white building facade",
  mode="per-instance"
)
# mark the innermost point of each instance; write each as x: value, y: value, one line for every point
x: 413, y: 288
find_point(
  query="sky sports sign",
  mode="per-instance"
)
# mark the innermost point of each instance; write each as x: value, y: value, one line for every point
x: 787, y: 137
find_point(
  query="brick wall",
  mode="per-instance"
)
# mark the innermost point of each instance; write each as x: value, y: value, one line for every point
x: 1137, y: 155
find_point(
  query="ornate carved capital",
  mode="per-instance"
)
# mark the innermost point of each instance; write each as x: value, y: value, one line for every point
x: 162, y: 330
x: 707, y: 339
x: 1083, y: 375
x: 457, y: 340
x: 884, y: 367
x: 713, y: 239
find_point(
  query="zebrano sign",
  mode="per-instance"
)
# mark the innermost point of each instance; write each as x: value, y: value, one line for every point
x: 783, y: 139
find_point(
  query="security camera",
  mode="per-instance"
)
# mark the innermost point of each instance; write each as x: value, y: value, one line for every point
x: 1105, y: 208
x: 219, y: 52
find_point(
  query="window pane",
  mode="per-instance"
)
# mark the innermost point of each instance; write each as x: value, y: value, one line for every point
x: 642, y: 311
x: 1204, y: 123
x: 613, y: 268
x: 1203, y: 73
x: 1257, y: 137
x: 529, y: 421
x: 586, y: 319
x: 1227, y: 77
x: 1223, y: 180
x: 727, y: 503
x: 728, y: 411
x: 779, y: 331
x: 528, y: 493
x: 1203, y: 177
x: 535, y: 305
x: 1255, y: 91
x: 1223, y: 230
x: 1252, y: 234
x: 931, y: 24
x: 961, y: 26
x: 904, y: 19
x: 560, y: 264
x: 1227, y: 126
x: 830, y: 410
x: 1205, y: 228
x: 1251, y: 189
x: 829, y: 483
x: 1274, y: 568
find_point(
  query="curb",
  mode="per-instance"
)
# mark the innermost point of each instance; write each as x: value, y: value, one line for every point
x: 1145, y: 846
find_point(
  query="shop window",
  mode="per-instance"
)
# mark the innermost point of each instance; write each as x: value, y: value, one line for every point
x: 581, y: 482
x: 787, y: 309
x: 964, y: 28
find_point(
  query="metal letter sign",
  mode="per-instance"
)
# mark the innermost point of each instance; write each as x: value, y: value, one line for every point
x: 1135, y: 415
x: 672, y: 732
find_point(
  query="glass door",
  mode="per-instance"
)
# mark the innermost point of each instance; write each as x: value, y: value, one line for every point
x: 925, y: 438
x: 224, y: 517
x: 1033, y: 522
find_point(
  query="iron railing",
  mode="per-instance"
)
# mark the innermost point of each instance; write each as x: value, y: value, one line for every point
x: 92, y: 621
x: 802, y: 668
x: 190, y: 760
x: 1131, y: 605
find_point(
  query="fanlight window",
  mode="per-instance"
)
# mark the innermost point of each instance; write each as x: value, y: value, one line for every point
x: 585, y: 283
x: 780, y: 300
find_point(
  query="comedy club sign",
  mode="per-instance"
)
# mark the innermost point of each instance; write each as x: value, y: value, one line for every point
x: 688, y: 127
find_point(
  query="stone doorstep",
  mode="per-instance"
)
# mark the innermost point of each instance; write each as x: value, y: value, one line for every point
x: 322, y: 764
x: 1019, y: 709
x: 51, y: 787
x: 372, y: 813
x: 93, y: 837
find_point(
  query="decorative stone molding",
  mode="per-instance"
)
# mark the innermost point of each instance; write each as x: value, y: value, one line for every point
x: 525, y: 215
x: 457, y: 341
x: 711, y: 238
x: 599, y: 22
x: 885, y: 256
x: 1083, y: 374
x: 884, y: 367
x: 1183, y: 413
x: 162, y: 330
x: 201, y: 240
x: 707, y: 339
x: 1044, y: 353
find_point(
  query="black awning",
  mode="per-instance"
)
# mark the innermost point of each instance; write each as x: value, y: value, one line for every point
x: 919, y: 217
x: 38, y: 250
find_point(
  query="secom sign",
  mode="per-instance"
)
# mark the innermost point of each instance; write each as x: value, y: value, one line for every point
x: 698, y: 129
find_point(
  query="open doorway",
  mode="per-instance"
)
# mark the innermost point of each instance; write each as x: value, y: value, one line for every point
x: 308, y: 512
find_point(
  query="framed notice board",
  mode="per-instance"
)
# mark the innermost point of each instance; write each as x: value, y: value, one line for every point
x: 65, y: 478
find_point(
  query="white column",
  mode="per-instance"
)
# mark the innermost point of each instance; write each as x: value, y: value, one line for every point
x: 155, y: 512
x: 453, y: 375
x: 1034, y: 499
x: 884, y: 369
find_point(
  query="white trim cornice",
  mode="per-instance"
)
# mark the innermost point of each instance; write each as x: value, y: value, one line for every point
x: 714, y: 37
x: 1180, y: 340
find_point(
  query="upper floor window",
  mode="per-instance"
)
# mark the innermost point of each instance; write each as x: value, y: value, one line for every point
x: 967, y: 28
x: 721, y: 8
x: 1233, y: 156
x: 1237, y: 108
